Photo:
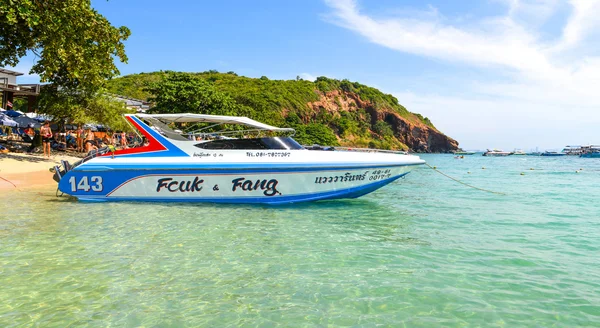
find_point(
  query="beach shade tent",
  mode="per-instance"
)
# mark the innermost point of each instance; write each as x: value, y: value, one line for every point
x: 25, y: 122
x: 42, y: 118
x: 7, y: 121
x: 12, y: 113
x: 91, y: 127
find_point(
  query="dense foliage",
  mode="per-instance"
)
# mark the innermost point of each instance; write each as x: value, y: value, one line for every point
x: 275, y: 102
x: 79, y: 107
x: 75, y: 45
x: 187, y: 93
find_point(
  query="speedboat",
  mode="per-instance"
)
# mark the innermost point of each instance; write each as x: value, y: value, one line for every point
x: 257, y: 163
x: 552, y: 154
x: 496, y: 152
x: 519, y: 152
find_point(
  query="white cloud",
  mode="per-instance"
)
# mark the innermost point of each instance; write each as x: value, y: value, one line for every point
x: 307, y: 76
x: 549, y: 83
x: 583, y: 20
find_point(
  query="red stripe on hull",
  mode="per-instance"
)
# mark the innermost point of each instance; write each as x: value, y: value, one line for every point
x: 153, y: 144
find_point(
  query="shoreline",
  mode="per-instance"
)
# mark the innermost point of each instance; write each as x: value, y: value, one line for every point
x: 24, y: 171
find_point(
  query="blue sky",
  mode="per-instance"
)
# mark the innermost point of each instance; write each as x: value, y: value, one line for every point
x: 490, y: 73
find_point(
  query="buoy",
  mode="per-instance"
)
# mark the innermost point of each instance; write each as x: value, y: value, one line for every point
x: 522, y: 173
x: 531, y: 169
x: 483, y: 167
x: 580, y: 169
x: 576, y: 171
x: 469, y: 172
x: 435, y: 167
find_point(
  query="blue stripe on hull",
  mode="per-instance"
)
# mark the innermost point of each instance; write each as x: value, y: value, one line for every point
x: 337, y: 194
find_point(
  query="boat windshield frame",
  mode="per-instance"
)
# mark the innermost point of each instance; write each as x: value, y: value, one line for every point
x: 160, y: 122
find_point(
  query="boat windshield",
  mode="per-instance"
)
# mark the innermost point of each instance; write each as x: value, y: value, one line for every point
x: 281, y: 143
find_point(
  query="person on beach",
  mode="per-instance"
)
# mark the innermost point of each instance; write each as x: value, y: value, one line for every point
x: 70, y: 140
x: 124, y: 140
x: 46, y: 133
x: 30, y: 131
x: 106, y: 140
x: 89, y: 140
x: 79, y: 135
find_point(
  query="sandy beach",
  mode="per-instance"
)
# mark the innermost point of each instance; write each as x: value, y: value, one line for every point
x: 24, y: 171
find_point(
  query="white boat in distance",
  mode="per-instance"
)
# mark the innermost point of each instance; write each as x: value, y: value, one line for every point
x: 220, y: 168
x: 496, y: 152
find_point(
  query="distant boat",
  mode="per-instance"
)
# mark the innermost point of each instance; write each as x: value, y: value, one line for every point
x: 574, y: 150
x: 591, y: 152
x: 464, y: 152
x: 534, y: 153
x: 519, y: 152
x: 496, y: 152
x: 552, y: 154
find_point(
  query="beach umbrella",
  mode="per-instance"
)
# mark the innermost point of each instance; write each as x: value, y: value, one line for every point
x: 90, y: 126
x: 12, y: 113
x: 7, y: 121
x: 25, y: 122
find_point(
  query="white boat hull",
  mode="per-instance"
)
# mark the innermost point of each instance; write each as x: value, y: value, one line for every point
x: 272, y: 186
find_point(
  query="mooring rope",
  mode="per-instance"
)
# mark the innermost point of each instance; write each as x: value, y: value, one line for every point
x: 463, y: 183
x: 14, y: 185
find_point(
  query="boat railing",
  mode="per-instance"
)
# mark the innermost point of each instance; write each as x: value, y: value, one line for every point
x: 66, y: 166
x: 353, y: 149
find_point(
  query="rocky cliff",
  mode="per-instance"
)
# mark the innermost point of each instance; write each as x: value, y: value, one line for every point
x: 410, y: 131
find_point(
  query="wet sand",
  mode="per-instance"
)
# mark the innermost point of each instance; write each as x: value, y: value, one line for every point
x: 22, y: 171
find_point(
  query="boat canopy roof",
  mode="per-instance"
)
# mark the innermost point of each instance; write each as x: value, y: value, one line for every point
x: 216, y: 119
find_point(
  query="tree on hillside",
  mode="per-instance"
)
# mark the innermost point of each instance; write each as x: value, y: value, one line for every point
x: 189, y: 93
x: 81, y: 106
x: 75, y: 45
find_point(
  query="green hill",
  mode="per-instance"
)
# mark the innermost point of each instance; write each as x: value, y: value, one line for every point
x: 326, y: 111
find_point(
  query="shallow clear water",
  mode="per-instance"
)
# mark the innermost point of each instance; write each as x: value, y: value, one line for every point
x: 424, y: 251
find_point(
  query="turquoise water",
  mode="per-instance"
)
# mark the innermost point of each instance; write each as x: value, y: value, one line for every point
x: 422, y: 252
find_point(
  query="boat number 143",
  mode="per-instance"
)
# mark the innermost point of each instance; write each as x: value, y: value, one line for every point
x: 85, y: 184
